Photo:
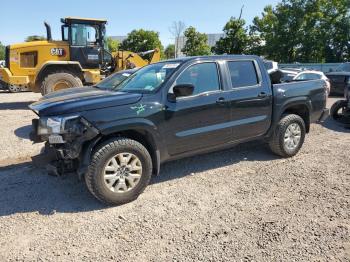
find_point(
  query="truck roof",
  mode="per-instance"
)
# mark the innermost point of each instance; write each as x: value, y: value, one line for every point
x: 211, y: 57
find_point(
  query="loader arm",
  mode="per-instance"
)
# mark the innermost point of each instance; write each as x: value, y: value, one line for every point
x: 128, y: 60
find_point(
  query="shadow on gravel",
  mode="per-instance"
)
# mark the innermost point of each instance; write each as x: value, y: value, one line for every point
x: 27, y: 189
x: 336, y: 126
x: 252, y: 151
x: 23, y: 132
x: 15, y: 105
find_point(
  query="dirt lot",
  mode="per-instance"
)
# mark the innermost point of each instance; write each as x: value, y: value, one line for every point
x: 241, y: 204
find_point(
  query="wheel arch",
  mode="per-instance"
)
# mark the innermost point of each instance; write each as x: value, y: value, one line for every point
x: 301, y: 109
x: 140, y: 134
x: 51, y: 66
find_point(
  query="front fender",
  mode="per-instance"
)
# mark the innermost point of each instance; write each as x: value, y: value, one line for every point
x: 119, y: 126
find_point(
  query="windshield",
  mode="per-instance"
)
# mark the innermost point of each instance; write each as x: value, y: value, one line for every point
x: 114, y: 80
x: 149, y: 78
x: 344, y: 68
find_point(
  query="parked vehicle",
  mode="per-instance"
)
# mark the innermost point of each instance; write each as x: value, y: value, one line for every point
x: 116, y: 79
x: 270, y: 65
x: 313, y: 75
x: 340, y: 81
x: 79, y: 58
x: 109, y: 82
x: 340, y: 111
x: 118, y: 138
x: 289, y: 74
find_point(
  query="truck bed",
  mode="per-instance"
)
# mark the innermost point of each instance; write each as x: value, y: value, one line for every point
x: 312, y: 92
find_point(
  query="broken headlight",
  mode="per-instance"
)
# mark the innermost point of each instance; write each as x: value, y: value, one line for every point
x: 57, y: 125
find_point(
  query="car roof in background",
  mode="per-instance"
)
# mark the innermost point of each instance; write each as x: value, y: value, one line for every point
x: 312, y: 72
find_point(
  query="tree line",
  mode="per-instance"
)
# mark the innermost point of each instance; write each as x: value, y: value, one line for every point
x: 292, y: 31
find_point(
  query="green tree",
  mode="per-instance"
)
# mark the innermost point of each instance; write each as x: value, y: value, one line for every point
x: 305, y: 31
x: 235, y: 40
x: 141, y: 40
x: 280, y: 29
x: 112, y: 44
x: 2, y: 51
x: 196, y: 43
x: 169, y: 51
x: 335, y: 26
x: 32, y: 38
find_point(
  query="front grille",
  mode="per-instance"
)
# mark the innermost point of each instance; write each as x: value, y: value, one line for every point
x: 7, y: 57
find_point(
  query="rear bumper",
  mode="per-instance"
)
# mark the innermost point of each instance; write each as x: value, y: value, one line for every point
x: 7, y: 77
x: 325, y: 114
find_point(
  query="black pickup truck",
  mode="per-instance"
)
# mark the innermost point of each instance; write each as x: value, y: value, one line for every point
x: 118, y: 138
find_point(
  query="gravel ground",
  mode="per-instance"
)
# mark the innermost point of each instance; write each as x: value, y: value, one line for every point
x: 15, y: 125
x: 241, y: 204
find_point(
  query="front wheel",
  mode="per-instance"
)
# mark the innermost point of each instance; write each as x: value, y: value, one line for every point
x: 289, y: 136
x: 120, y: 170
x: 338, y: 110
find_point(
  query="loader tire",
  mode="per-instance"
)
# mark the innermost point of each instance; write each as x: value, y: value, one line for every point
x: 59, y: 80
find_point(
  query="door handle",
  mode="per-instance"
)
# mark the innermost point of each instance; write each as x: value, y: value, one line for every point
x: 262, y: 95
x: 221, y: 101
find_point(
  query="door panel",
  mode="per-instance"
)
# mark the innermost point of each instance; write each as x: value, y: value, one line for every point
x: 89, y: 57
x: 251, y: 101
x: 85, y: 46
x: 196, y: 123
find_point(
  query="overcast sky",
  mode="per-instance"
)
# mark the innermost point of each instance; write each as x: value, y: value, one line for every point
x: 22, y: 18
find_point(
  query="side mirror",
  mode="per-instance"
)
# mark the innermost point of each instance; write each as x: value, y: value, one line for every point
x: 183, y: 90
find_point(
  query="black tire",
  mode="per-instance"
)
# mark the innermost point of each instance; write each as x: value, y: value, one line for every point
x: 277, y: 144
x: 336, y: 107
x: 54, y: 78
x: 95, y: 179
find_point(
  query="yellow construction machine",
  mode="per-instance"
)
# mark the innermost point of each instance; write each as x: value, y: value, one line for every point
x: 80, y: 58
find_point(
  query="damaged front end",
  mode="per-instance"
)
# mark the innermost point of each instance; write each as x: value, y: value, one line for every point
x: 65, y: 138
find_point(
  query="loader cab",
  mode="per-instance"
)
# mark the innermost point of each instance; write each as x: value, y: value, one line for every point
x: 86, y: 39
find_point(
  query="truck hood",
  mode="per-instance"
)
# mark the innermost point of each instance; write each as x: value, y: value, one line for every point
x: 81, y: 99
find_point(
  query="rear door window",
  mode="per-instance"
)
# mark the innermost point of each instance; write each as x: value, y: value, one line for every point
x: 243, y: 74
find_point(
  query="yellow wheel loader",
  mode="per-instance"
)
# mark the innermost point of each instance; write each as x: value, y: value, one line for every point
x: 81, y: 58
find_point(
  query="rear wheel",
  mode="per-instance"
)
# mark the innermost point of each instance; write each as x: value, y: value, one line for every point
x: 120, y: 170
x: 289, y: 136
x: 58, y: 81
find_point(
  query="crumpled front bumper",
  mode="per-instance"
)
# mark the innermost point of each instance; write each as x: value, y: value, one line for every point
x: 65, y: 157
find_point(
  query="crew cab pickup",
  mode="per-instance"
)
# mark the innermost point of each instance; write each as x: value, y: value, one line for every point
x: 117, y: 138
